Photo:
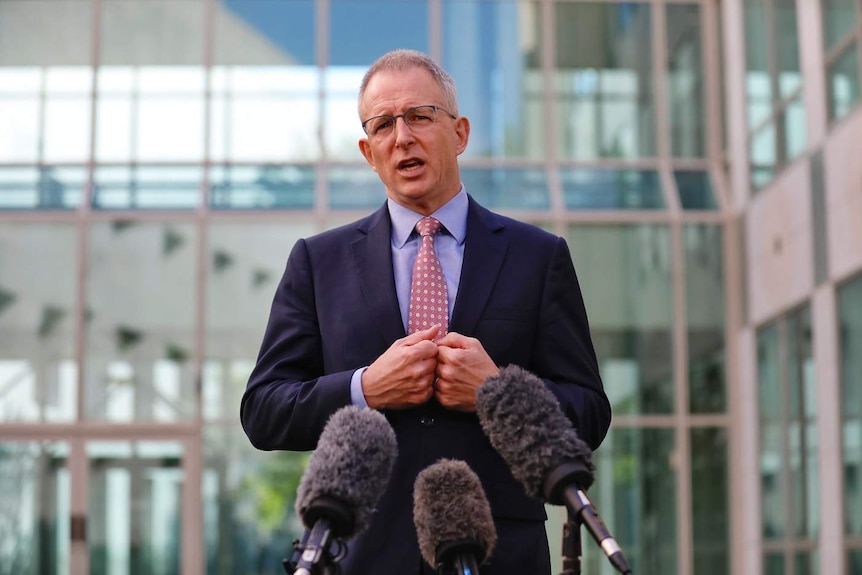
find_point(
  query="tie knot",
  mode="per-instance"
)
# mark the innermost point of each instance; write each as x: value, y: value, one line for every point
x: 428, y: 226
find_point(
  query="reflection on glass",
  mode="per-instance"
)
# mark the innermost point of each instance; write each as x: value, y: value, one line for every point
x: 140, y: 294
x: 786, y: 48
x: 502, y: 188
x: 146, y: 187
x: 850, y: 346
x: 44, y: 187
x: 695, y: 190
x: 758, y: 92
x: 790, y: 505
x: 844, y: 82
x: 492, y: 50
x: 704, y: 288
x: 245, y: 265
x: 839, y: 17
x: 34, y: 508
x: 710, y: 501
x: 636, y: 493
x: 38, y: 376
x: 264, y: 83
x: 341, y: 122
x: 603, y: 80
x: 685, y: 102
x: 265, y: 113
x: 361, y: 32
x: 150, y: 113
x: 794, y: 129
x: 248, y: 500
x: 625, y: 277
x: 134, y: 518
x: 602, y: 189
x: 763, y: 156
x: 262, y: 187
x: 354, y: 188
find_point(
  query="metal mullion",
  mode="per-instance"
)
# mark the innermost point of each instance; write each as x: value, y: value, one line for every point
x: 682, y: 424
x: 786, y: 543
x: 712, y: 64
x: 548, y: 66
x: 321, y: 185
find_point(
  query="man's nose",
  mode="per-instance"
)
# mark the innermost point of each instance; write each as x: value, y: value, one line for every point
x: 403, y: 132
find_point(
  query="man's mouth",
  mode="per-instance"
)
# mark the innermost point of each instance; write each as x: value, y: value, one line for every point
x: 410, y: 164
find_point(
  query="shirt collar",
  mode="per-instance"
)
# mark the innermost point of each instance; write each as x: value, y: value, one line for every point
x: 453, y: 216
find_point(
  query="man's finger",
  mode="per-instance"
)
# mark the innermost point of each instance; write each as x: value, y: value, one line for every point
x: 422, y: 335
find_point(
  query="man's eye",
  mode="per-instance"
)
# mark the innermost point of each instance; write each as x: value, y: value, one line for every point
x: 421, y: 118
x: 383, y: 125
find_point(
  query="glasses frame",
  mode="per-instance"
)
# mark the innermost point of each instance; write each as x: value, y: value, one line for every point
x: 403, y: 116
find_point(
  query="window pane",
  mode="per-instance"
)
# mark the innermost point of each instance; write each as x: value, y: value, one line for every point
x: 710, y: 501
x: 637, y: 498
x: 38, y: 373
x: 45, y: 187
x: 625, y: 276
x: 843, y: 80
x: 695, y: 190
x: 758, y: 93
x: 839, y: 16
x: 35, y: 499
x: 248, y: 504
x: 763, y: 154
x: 794, y: 129
x: 685, y: 81
x: 850, y: 318
x: 140, y: 290
x: 356, y: 42
x: 147, y: 187
x: 244, y: 266
x: 262, y: 187
x: 493, y: 53
x: 513, y: 188
x: 705, y: 317
x: 265, y: 82
x: 598, y: 189
x: 263, y: 113
x: 134, y: 506
x: 355, y: 188
x: 787, y: 47
x: 603, y: 80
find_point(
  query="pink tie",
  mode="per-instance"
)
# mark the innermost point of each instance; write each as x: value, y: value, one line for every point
x: 429, y: 303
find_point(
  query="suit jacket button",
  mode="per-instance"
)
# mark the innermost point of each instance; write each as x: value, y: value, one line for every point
x: 424, y: 420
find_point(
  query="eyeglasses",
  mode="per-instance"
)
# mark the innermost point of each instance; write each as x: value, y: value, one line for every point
x: 418, y: 118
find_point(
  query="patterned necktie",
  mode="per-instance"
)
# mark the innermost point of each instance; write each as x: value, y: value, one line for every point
x: 429, y: 302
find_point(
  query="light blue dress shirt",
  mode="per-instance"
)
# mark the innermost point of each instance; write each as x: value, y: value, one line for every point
x: 405, y: 242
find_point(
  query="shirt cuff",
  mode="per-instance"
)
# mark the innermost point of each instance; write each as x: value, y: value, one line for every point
x: 356, y: 395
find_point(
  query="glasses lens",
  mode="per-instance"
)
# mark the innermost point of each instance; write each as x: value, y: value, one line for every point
x: 379, y: 126
x: 419, y: 118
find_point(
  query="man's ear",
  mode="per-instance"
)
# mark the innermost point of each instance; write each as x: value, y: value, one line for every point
x: 462, y: 130
x: 365, y: 148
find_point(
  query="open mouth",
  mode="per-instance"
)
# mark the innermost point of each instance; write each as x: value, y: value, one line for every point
x: 410, y: 164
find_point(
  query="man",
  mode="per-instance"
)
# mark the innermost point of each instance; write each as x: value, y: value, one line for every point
x: 341, y: 329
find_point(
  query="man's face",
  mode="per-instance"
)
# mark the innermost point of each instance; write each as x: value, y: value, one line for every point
x: 418, y: 167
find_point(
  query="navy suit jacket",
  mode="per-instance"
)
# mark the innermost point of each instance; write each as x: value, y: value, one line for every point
x: 336, y: 310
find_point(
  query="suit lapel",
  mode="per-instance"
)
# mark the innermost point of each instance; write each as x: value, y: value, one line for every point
x: 484, y: 252
x: 373, y: 259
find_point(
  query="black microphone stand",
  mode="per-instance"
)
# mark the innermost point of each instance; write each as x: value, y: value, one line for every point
x: 571, y: 545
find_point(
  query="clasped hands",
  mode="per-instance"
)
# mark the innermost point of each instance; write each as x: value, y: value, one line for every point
x: 416, y: 367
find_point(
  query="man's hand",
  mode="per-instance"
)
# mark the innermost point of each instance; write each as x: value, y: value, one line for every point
x: 404, y: 375
x: 462, y: 366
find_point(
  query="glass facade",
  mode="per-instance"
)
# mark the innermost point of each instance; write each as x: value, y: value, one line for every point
x: 159, y: 159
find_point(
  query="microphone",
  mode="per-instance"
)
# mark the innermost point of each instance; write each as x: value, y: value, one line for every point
x: 345, y: 477
x: 525, y: 424
x: 453, y: 518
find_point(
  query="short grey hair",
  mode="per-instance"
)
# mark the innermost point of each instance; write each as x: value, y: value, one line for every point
x: 401, y: 60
